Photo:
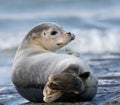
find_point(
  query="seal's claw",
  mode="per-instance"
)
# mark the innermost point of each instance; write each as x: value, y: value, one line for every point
x: 65, y: 82
x: 50, y: 95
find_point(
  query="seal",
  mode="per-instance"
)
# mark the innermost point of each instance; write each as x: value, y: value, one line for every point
x: 36, y: 63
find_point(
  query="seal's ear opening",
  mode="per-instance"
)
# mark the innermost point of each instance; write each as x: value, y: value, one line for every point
x: 85, y: 75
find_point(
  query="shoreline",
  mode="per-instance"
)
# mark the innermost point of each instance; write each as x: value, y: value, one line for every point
x: 107, y: 71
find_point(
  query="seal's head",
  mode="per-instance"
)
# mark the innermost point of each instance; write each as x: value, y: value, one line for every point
x: 49, y: 36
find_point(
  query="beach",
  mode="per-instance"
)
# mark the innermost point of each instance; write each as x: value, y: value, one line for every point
x: 106, y: 68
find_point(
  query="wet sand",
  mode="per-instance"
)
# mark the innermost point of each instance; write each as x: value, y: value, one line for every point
x: 107, y: 70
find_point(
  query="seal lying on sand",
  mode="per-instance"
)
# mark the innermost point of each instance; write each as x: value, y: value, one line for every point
x: 35, y: 61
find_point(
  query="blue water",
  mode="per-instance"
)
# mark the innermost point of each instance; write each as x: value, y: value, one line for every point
x: 96, y: 23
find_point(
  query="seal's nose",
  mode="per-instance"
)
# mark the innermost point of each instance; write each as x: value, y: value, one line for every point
x: 71, y: 35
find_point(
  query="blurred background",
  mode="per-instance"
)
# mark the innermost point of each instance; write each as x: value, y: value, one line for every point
x: 96, y: 24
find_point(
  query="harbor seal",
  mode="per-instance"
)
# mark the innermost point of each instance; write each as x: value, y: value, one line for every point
x: 36, y: 61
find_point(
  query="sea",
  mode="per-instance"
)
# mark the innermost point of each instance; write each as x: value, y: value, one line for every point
x: 95, y: 23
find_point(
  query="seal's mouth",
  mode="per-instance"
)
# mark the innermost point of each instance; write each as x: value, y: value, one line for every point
x: 60, y: 44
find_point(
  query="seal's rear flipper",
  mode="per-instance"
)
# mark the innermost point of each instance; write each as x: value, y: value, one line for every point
x: 65, y: 82
x: 72, y: 69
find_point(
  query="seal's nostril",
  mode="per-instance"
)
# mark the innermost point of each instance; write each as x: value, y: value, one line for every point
x: 72, y: 36
x: 68, y: 33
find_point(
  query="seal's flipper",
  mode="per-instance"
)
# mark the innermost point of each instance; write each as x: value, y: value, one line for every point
x: 72, y: 69
x: 64, y: 82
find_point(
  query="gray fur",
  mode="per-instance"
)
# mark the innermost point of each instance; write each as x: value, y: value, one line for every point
x: 33, y: 64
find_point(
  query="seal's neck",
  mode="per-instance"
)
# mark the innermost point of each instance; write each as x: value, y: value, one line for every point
x: 27, y: 45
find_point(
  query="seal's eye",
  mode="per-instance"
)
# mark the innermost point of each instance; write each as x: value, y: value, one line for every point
x: 53, y: 33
